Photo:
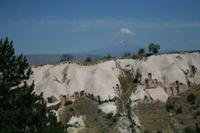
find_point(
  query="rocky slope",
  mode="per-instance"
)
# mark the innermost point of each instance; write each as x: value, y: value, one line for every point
x: 162, y: 75
x: 154, y: 78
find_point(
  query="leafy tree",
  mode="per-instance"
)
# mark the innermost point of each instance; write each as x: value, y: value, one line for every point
x: 141, y: 51
x: 127, y: 54
x: 21, y: 110
x: 88, y: 59
x: 154, y: 48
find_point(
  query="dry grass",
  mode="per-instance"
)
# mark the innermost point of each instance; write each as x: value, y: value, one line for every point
x: 154, y: 116
x: 96, y: 121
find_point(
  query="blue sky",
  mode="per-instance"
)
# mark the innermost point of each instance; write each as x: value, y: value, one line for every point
x: 74, y: 26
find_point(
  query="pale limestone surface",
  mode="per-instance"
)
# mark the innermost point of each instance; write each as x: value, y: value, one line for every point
x: 109, y: 107
x: 99, y: 80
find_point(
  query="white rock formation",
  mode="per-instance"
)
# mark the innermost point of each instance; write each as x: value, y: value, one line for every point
x: 140, y: 95
x: 76, y: 124
x: 109, y: 107
x: 64, y: 79
x: 76, y: 121
x: 166, y: 74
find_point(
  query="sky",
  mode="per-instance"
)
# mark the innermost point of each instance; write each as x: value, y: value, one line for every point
x: 76, y: 26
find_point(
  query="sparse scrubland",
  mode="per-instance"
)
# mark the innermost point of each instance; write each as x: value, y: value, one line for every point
x: 177, y: 115
x: 95, y: 120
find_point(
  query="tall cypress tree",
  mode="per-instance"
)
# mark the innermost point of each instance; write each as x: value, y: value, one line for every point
x: 21, y: 110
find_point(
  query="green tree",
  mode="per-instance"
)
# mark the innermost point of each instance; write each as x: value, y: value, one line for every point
x: 88, y: 59
x: 21, y: 110
x: 141, y: 51
x: 154, y: 48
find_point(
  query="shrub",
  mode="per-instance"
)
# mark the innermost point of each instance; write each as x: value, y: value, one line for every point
x: 191, y: 98
x: 88, y: 59
x: 179, y: 110
x: 114, y: 118
x: 141, y: 51
x: 169, y: 107
x: 109, y: 115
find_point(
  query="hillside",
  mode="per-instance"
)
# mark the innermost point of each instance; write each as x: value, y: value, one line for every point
x: 117, y: 86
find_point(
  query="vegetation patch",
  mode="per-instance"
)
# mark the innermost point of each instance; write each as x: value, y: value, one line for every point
x: 153, y: 116
x: 96, y: 121
x: 127, y: 88
x: 179, y: 113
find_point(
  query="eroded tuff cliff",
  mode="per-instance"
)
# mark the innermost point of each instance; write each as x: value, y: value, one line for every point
x: 154, y: 78
x: 162, y: 76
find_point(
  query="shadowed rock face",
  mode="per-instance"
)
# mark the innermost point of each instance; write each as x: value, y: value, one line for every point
x: 161, y: 76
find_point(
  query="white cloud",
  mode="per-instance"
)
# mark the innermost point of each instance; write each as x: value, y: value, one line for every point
x: 126, y: 31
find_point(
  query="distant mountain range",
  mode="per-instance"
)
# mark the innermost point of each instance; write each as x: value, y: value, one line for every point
x: 115, y: 50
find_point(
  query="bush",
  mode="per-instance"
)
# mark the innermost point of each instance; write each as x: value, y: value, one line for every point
x: 88, y: 59
x: 179, y: 110
x: 169, y: 107
x: 141, y: 51
x: 191, y: 98
x: 109, y: 115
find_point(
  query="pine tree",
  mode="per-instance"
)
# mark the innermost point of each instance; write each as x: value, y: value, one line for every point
x: 21, y: 110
